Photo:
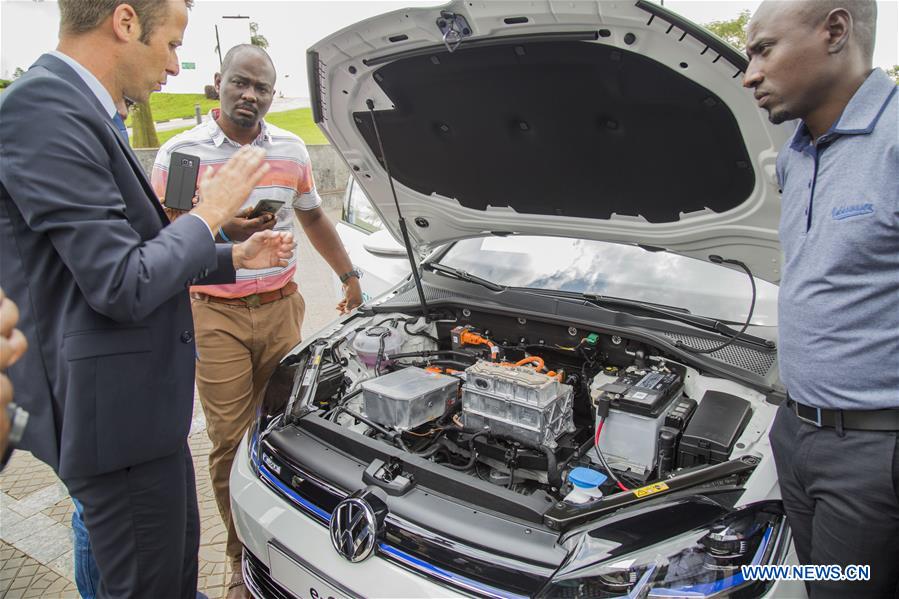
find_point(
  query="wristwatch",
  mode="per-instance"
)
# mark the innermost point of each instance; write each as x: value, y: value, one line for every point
x: 352, y: 273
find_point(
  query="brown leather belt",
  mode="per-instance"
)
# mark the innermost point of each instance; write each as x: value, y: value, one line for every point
x: 249, y: 301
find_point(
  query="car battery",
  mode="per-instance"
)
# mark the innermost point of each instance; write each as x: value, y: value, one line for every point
x: 407, y: 398
x: 640, y: 400
x: 713, y: 430
x: 517, y: 402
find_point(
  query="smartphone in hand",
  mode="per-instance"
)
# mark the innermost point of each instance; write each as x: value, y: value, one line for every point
x: 265, y: 206
x: 181, y: 186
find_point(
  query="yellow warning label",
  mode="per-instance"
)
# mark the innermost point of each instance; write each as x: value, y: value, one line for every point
x: 650, y: 489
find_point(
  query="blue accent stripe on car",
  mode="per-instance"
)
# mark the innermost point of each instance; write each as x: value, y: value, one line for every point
x: 388, y: 550
x: 254, y: 450
x: 304, y: 503
x: 446, y: 575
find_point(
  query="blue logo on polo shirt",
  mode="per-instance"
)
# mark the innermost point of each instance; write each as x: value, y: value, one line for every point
x: 851, y: 210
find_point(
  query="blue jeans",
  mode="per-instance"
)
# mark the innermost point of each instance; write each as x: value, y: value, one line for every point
x: 87, y: 576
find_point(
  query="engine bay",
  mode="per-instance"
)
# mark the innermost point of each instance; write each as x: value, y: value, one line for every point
x: 526, y: 405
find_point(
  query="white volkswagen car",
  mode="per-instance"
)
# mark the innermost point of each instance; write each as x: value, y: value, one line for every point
x: 379, y: 259
x: 570, y: 394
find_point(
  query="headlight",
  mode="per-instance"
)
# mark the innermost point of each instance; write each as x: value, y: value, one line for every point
x: 701, y: 563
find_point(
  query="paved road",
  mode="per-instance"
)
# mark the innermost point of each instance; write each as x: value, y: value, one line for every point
x: 35, y: 509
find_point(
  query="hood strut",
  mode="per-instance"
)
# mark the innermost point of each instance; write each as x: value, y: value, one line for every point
x: 402, y: 221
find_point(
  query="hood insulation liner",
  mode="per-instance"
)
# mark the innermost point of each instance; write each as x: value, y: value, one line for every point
x: 566, y: 128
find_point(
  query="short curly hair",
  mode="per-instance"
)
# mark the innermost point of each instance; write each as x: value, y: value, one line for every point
x: 81, y: 16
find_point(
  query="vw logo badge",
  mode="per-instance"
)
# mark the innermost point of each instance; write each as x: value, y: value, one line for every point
x: 354, y: 529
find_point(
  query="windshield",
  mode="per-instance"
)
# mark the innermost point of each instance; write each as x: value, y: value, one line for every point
x: 622, y: 271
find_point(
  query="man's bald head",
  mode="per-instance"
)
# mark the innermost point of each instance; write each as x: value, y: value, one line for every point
x: 812, y: 13
x: 242, y: 50
x: 864, y: 19
x: 808, y: 57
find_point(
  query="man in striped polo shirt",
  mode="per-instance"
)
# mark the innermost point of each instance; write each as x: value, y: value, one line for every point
x: 245, y: 328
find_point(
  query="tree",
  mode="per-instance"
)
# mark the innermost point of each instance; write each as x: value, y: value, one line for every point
x: 893, y: 72
x: 256, y: 38
x: 733, y: 31
x: 143, y: 129
x: 18, y: 73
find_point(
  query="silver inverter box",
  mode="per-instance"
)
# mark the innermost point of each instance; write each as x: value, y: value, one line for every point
x: 408, y: 398
x: 517, y: 402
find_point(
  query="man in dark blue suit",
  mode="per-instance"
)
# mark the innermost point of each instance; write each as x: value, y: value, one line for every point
x: 101, y: 281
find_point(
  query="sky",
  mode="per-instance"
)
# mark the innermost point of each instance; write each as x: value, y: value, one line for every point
x: 29, y: 28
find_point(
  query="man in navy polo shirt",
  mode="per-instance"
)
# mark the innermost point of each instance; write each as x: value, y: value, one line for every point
x: 835, y: 440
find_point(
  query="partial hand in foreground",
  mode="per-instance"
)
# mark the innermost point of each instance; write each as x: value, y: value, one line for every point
x: 265, y: 249
x: 352, y: 296
x: 241, y: 227
x: 12, y: 346
x: 12, y: 341
x: 224, y: 191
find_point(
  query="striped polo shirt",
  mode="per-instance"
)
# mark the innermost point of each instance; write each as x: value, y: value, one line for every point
x: 288, y: 179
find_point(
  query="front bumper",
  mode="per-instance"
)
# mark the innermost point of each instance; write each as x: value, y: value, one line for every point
x: 265, y: 520
x: 270, y: 527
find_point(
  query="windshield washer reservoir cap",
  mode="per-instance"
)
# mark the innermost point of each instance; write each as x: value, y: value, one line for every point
x: 586, y: 478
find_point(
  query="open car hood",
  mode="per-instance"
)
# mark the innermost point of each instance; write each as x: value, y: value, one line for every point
x: 618, y: 121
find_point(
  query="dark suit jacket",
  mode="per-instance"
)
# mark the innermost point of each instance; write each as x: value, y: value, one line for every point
x: 100, y: 278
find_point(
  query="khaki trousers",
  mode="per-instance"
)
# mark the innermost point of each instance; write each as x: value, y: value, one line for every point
x: 238, y: 349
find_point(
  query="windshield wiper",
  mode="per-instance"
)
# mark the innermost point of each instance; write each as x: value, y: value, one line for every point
x: 461, y: 274
x: 672, y: 313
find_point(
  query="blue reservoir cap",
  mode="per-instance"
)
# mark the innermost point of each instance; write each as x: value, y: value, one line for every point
x: 586, y: 478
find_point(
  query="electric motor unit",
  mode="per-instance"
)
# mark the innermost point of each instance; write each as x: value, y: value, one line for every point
x: 517, y: 402
x: 408, y: 398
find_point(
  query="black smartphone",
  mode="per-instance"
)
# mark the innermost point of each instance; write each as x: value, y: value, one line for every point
x: 263, y: 206
x: 181, y: 186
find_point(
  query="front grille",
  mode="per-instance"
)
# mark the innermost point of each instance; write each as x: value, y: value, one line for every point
x: 259, y: 580
x: 410, y: 549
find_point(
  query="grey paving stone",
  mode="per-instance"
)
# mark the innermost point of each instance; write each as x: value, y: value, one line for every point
x: 47, y: 544
x: 27, y: 527
x: 8, y: 519
x: 8, y: 504
x: 64, y: 565
x: 42, y: 499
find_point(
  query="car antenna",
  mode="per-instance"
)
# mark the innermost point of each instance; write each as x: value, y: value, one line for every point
x: 402, y: 221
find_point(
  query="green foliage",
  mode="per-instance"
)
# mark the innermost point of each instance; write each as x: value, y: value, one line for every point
x: 164, y: 136
x: 893, y: 72
x: 297, y: 121
x: 732, y: 31
x: 256, y: 38
x: 4, y: 83
x: 166, y: 107
x: 18, y: 72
